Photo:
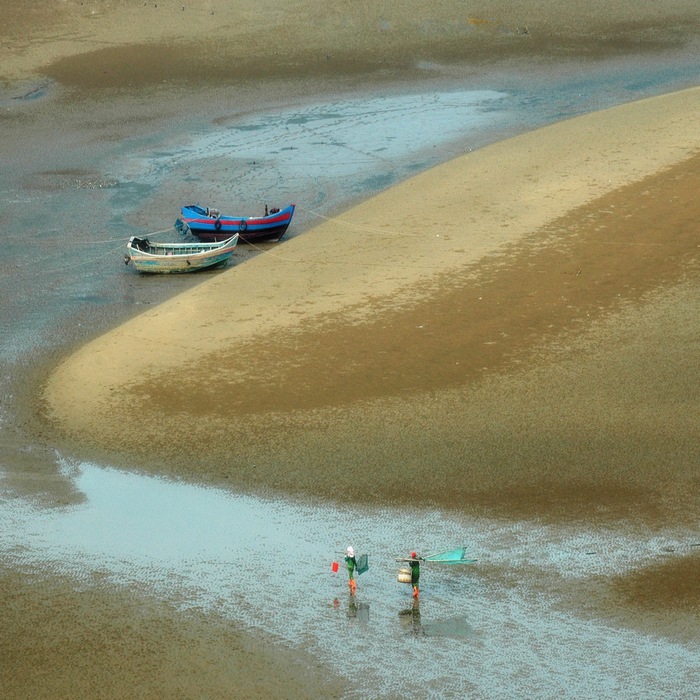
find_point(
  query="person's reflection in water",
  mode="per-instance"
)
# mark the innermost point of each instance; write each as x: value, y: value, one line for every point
x: 356, y: 610
x: 410, y: 619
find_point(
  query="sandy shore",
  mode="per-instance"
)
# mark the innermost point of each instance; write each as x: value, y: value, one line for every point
x: 467, y: 276
x: 515, y: 335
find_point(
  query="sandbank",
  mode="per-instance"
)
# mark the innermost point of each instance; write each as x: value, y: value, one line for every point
x: 326, y: 367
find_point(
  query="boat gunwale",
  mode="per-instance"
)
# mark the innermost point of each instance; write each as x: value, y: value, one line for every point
x: 203, y: 248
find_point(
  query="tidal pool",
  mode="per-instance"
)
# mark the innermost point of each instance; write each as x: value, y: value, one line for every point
x: 266, y: 564
x: 295, y: 149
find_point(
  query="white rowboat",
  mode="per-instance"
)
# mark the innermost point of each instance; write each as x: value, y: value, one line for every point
x: 178, y: 257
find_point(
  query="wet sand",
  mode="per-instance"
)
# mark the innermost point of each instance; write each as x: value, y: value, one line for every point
x: 515, y: 334
x: 93, y: 44
x: 62, y: 640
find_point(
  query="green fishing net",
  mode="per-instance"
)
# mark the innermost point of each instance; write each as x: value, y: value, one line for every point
x: 362, y: 564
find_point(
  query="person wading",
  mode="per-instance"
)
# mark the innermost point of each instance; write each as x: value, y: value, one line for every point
x: 352, y: 564
x: 414, y: 563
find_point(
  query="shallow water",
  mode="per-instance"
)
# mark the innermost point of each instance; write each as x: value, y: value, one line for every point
x: 366, y: 143
x: 76, y: 196
x: 266, y: 564
x: 72, y: 193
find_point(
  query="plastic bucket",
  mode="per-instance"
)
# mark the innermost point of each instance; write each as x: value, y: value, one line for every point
x: 334, y: 567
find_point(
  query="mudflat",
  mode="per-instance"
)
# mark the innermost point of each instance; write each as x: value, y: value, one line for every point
x: 520, y: 340
x: 125, y: 43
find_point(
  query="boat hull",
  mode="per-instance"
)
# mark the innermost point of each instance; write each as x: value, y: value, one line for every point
x: 207, y: 225
x: 174, y: 258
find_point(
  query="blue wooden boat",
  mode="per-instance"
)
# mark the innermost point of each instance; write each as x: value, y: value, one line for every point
x: 178, y: 257
x: 210, y: 225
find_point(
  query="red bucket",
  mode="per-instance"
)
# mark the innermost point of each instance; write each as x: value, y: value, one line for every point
x: 334, y: 567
